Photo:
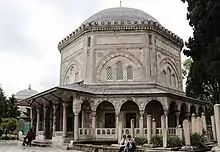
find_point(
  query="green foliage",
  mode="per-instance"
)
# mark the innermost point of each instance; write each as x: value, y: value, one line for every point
x: 198, y: 140
x: 8, y: 107
x: 186, y: 67
x: 8, y: 124
x: 174, y: 141
x: 203, y: 80
x: 157, y: 141
x: 140, y: 140
x: 8, y: 138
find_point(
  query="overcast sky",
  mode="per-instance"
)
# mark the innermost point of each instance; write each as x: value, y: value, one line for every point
x: 31, y: 29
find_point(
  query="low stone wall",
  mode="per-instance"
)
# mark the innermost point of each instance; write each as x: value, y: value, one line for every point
x: 96, y: 148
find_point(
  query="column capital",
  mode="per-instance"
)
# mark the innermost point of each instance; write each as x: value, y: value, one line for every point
x: 93, y: 113
x: 142, y: 113
x: 166, y: 112
x: 38, y: 110
x: 117, y: 113
x: 65, y: 105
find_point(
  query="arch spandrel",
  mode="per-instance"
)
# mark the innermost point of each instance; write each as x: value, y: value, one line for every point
x: 162, y: 101
x: 97, y: 103
x: 128, y: 99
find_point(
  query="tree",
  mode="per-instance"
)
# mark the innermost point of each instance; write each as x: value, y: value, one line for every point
x: 186, y: 67
x: 203, y: 80
x: 3, y: 104
x: 13, y: 109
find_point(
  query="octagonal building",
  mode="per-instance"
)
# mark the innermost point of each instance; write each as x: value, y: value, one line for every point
x: 120, y: 64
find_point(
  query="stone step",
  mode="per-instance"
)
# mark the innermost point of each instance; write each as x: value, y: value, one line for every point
x: 42, y: 143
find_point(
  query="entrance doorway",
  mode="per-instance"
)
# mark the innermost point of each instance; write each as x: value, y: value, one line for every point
x: 129, y: 117
x: 109, y: 120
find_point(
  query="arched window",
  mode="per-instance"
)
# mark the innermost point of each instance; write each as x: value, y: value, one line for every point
x: 164, y: 75
x: 119, y: 70
x: 173, y: 80
x: 169, y: 76
x: 109, y: 73
x: 130, y: 73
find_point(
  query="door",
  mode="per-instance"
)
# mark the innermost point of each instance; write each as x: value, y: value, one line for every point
x: 129, y: 117
x: 109, y: 120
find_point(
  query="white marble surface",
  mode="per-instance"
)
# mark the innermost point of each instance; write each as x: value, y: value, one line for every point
x: 16, y: 146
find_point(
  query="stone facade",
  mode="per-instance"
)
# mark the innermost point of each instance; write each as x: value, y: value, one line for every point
x: 115, y: 68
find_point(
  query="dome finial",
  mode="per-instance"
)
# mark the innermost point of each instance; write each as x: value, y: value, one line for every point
x: 29, y: 87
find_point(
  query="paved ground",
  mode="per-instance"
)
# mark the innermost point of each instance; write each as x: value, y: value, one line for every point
x: 15, y: 146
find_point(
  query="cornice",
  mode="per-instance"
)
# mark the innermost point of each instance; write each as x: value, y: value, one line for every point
x: 120, y: 26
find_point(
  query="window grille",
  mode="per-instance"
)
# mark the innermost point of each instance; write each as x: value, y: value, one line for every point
x: 119, y: 70
x: 109, y: 73
x: 130, y: 73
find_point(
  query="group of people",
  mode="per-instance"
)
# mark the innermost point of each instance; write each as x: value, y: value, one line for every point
x: 28, y: 138
x: 127, y: 144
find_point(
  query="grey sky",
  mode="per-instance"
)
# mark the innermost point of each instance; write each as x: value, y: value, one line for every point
x: 31, y: 29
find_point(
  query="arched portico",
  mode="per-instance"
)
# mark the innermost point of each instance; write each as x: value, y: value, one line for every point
x: 192, y: 110
x: 183, y: 113
x: 156, y: 114
x: 85, y: 115
x: 173, y: 115
x: 200, y: 111
x: 129, y: 110
x: 105, y: 115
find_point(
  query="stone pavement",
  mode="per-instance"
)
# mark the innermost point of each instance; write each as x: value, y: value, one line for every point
x: 15, y: 146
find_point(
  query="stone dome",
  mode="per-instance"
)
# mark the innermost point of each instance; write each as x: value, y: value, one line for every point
x: 120, y: 14
x: 23, y: 94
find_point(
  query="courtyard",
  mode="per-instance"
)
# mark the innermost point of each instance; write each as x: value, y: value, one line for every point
x: 12, y: 146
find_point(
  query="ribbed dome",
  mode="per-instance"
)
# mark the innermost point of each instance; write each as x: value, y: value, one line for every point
x: 23, y: 94
x: 120, y: 14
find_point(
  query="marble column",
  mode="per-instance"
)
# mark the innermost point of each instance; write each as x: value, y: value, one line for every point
x: 141, y: 123
x: 117, y: 124
x: 44, y: 121
x: 83, y: 119
x: 149, y: 129
x: 132, y: 128
x: 38, y: 120
x: 76, y: 126
x: 94, y: 124
x: 163, y: 123
x: 186, y: 130
x: 166, y: 118
x: 217, y: 122
x: 154, y: 127
x: 213, y: 128
x: 54, y: 119
x: 65, y: 105
x: 177, y: 118
x: 194, y: 123
x: 204, y: 122
x: 31, y: 117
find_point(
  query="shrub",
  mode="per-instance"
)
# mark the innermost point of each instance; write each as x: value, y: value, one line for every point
x: 198, y: 140
x: 157, y: 141
x: 8, y: 138
x: 140, y: 140
x: 174, y: 141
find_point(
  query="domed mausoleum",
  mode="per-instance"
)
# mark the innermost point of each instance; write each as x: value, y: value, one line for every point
x: 120, y: 64
x: 21, y: 95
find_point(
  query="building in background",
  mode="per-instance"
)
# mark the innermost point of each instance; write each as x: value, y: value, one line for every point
x: 25, y: 120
